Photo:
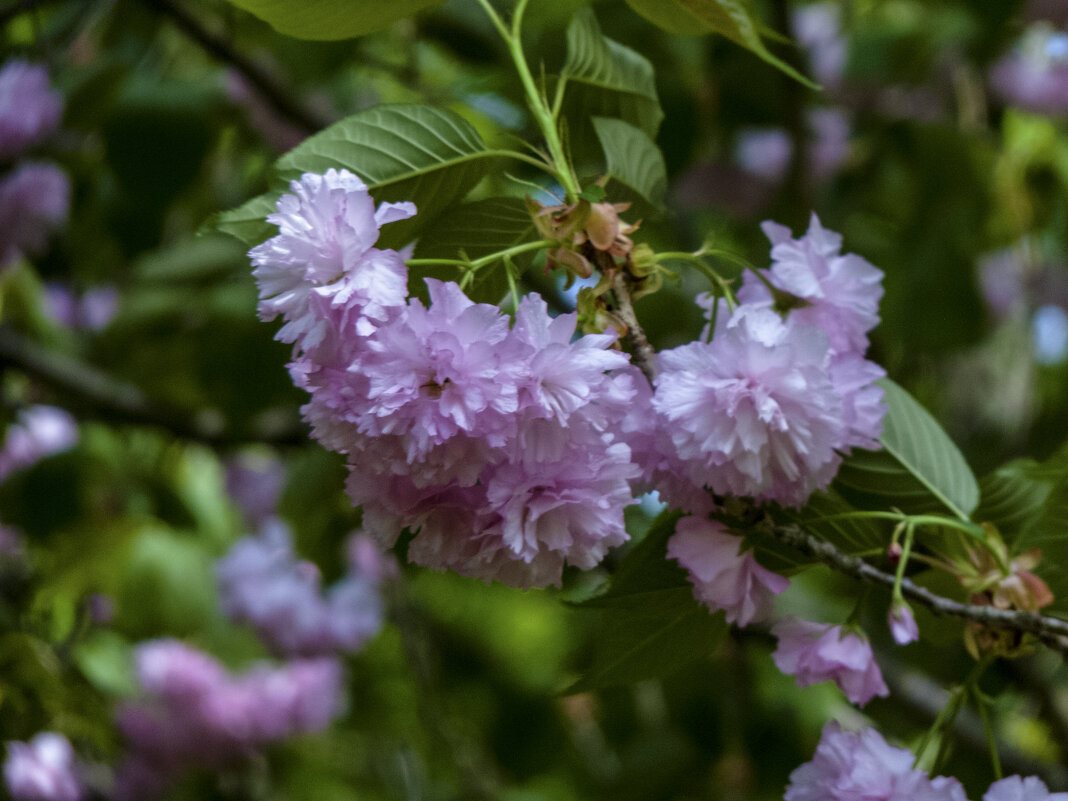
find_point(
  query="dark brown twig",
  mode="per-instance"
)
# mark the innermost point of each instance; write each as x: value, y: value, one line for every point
x: 272, y: 90
x: 93, y: 393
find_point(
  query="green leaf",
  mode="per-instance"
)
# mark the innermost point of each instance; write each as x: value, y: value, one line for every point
x: 633, y: 159
x: 329, y: 20
x: 620, y: 81
x: 731, y: 18
x: 430, y: 156
x: 650, y: 623
x: 476, y: 230
x: 918, y: 470
x: 850, y: 535
x: 1012, y: 496
x: 1049, y: 531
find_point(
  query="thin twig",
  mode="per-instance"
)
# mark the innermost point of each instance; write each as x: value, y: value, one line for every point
x: 93, y: 393
x: 273, y: 91
x: 1051, y: 631
x: 641, y: 351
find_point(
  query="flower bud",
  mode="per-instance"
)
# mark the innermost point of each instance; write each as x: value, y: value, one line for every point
x: 902, y: 624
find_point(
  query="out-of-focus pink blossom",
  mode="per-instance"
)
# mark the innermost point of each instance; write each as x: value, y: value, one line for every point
x: 30, y: 109
x: 194, y: 713
x: 34, y: 202
x: 38, y: 431
x: 1034, y: 76
x: 44, y: 769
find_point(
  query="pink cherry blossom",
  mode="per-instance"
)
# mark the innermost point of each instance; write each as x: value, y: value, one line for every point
x: 816, y: 652
x: 722, y: 576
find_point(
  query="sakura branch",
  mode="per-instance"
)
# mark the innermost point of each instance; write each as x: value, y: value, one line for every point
x: 1051, y: 631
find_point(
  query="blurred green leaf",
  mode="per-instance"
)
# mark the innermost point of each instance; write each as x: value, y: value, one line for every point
x: 633, y: 159
x: 331, y: 19
x: 621, y: 81
x: 650, y: 623
x: 919, y: 468
x: 731, y: 18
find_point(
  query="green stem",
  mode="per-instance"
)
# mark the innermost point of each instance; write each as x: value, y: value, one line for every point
x: 536, y: 101
x: 906, y: 550
x: 976, y: 532
x: 509, y: 271
x: 945, y: 717
x: 706, y: 270
x: 949, y: 712
x: 482, y: 261
x: 982, y: 704
x: 518, y: 155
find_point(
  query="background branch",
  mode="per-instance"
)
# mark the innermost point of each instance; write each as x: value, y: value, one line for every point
x: 94, y: 393
x: 277, y: 95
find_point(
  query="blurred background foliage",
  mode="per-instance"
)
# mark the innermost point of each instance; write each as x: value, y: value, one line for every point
x: 175, y: 110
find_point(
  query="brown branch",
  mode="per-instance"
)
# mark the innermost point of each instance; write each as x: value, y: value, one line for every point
x: 94, y: 394
x: 1051, y: 631
x: 272, y: 90
x: 640, y: 349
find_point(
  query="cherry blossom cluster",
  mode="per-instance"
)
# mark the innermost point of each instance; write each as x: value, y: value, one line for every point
x: 861, y: 765
x: 510, y: 451
x: 262, y: 583
x: 495, y: 444
x: 768, y: 407
x: 34, y: 196
x: 194, y: 713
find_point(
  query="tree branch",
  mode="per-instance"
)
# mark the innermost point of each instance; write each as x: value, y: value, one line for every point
x: 95, y: 394
x: 1051, y: 631
x: 641, y: 350
x: 272, y: 90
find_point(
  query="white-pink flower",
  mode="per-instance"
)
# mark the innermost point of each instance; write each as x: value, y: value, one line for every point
x: 842, y: 291
x: 754, y: 412
x: 816, y: 652
x: 328, y: 226
x: 722, y: 576
x: 1017, y: 788
x: 861, y: 766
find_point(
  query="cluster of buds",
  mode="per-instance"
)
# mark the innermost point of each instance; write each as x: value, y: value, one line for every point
x: 593, y: 238
x: 992, y: 578
x: 580, y: 226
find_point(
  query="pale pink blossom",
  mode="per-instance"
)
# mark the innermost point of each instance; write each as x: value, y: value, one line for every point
x: 722, y: 576
x: 1017, y: 788
x: 861, y: 766
x: 817, y: 652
